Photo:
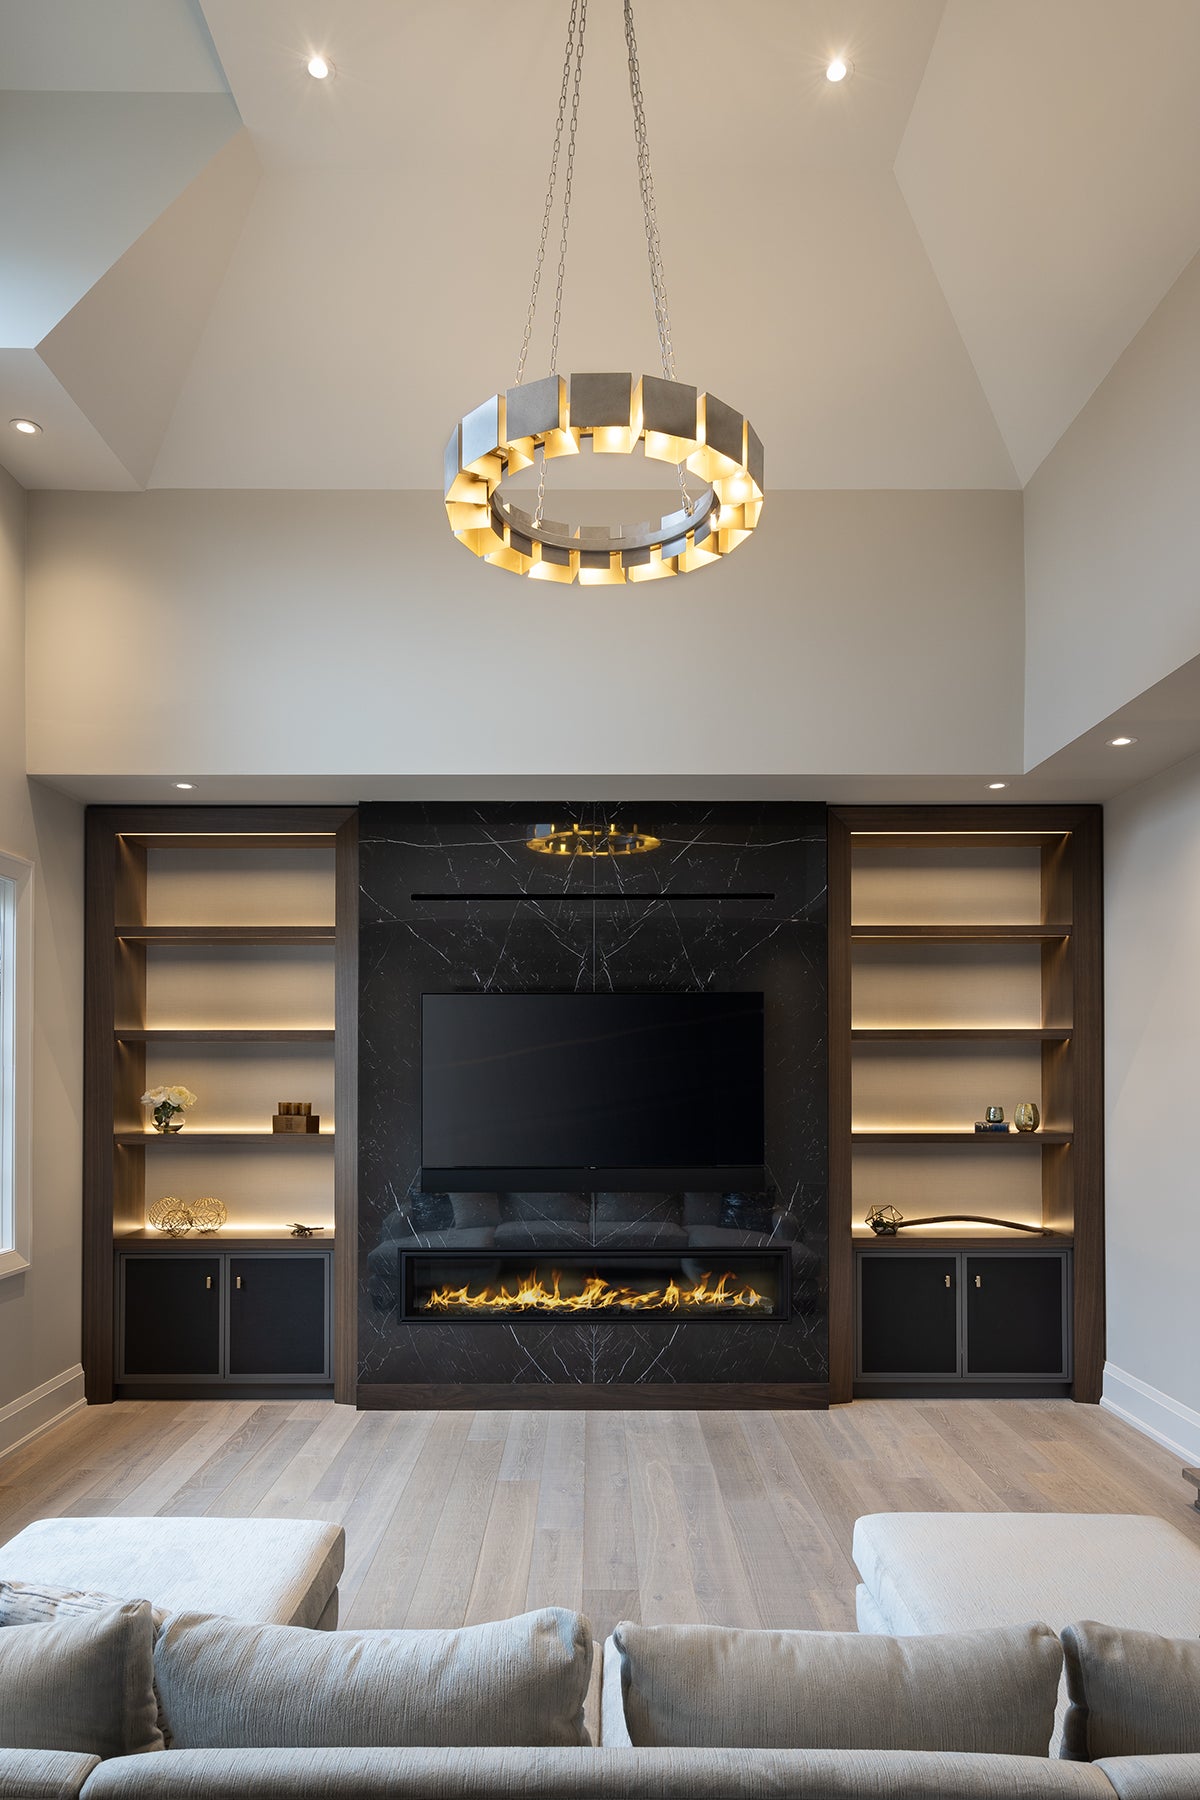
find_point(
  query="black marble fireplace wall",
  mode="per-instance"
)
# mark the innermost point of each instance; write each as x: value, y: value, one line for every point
x: 452, y: 900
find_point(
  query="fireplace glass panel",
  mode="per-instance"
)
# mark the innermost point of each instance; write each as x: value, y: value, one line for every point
x: 486, y: 1285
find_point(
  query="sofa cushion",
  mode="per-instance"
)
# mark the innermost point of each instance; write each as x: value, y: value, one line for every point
x: 964, y: 1571
x: 1131, y: 1693
x: 277, y: 1570
x: 1149, y: 1777
x: 519, y: 1681
x: 44, y: 1774
x: 82, y: 1683
x: 708, y: 1686
x: 491, y: 1774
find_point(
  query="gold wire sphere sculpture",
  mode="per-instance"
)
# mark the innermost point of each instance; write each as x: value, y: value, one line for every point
x: 170, y: 1215
x: 208, y: 1215
x: 177, y: 1218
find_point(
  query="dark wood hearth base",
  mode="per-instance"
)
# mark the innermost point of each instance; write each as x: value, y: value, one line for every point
x: 665, y: 1396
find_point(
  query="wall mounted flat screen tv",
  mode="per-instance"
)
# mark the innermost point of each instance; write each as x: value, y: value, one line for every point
x: 548, y: 1091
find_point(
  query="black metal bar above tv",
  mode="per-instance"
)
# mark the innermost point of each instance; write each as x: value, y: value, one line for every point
x: 743, y: 1178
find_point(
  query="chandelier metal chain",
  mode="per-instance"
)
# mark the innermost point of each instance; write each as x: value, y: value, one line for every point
x: 568, y: 182
x: 610, y: 413
x: 551, y: 184
x: 658, y: 280
x: 658, y: 286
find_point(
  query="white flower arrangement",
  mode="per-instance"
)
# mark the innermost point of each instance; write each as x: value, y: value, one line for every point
x: 167, y: 1101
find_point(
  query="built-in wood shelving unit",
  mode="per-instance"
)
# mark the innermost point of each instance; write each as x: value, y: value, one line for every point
x: 965, y: 971
x: 220, y: 922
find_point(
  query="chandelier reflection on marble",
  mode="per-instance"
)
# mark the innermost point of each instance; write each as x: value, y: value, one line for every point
x: 590, y: 840
x: 533, y: 422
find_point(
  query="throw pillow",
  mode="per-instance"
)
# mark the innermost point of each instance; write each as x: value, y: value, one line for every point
x: 83, y: 1681
x: 230, y: 1685
x: 1131, y: 1693
x: 703, y: 1686
x: 33, y: 1603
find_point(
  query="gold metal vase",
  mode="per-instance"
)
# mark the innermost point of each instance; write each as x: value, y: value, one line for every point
x: 1027, y: 1117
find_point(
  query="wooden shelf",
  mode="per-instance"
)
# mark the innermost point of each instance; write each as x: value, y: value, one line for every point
x: 264, y: 1034
x: 961, y: 1137
x: 265, y: 1238
x: 966, y: 934
x: 216, y: 1139
x: 984, y: 1239
x: 1032, y: 1034
x: 226, y: 934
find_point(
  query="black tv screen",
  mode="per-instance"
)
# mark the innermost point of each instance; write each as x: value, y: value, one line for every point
x: 591, y: 1090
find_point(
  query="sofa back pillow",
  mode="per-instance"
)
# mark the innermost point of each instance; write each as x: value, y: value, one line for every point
x: 82, y: 1682
x: 1131, y: 1693
x: 704, y: 1686
x: 225, y: 1684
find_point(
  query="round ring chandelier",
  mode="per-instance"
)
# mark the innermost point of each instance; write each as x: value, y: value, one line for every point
x: 532, y: 423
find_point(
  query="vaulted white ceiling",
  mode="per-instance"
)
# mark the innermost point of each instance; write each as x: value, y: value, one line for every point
x: 217, y: 272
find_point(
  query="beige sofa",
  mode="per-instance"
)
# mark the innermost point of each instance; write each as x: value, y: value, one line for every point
x: 229, y: 1688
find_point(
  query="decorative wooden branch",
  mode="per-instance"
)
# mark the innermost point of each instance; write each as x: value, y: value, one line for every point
x: 885, y: 1221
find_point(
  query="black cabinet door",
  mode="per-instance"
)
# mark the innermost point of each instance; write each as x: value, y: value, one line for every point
x: 172, y: 1315
x: 277, y: 1316
x: 1015, y: 1315
x: 908, y: 1314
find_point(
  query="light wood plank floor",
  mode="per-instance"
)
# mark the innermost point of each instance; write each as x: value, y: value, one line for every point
x: 739, y: 1518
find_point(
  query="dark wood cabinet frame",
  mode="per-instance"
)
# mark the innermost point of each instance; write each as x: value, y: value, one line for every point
x: 1071, y: 939
x: 116, y: 843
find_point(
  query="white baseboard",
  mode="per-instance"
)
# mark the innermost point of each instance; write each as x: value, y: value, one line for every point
x: 1169, y: 1422
x: 31, y: 1414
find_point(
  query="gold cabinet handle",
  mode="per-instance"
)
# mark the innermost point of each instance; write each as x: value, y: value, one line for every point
x: 979, y: 1281
x: 237, y: 1281
x: 947, y: 1281
x: 208, y: 1281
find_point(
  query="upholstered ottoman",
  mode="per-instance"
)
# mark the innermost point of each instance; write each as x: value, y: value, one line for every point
x: 932, y: 1572
x: 267, y: 1571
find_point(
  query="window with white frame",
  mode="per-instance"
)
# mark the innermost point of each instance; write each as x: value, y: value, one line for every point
x: 16, y: 1031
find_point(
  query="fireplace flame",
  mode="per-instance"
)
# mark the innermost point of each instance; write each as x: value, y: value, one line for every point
x: 598, y: 1295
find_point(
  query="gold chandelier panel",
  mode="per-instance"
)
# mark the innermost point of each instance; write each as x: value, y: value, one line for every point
x: 672, y: 421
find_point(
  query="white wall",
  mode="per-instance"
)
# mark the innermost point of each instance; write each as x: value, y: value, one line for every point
x: 1152, y: 902
x: 330, y: 633
x: 1112, y: 535
x: 39, y: 1308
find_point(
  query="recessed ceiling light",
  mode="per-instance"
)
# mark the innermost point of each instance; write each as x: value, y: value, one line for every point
x: 320, y: 68
x: 997, y: 784
x: 185, y: 784
x: 838, y: 69
x: 1119, y: 743
x: 30, y: 427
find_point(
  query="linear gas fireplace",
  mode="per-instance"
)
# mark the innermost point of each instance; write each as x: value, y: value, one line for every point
x: 488, y: 1285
